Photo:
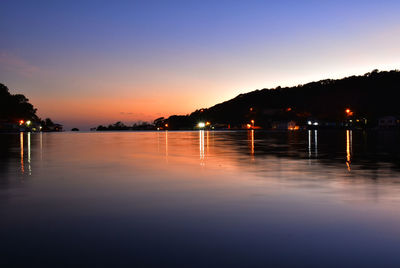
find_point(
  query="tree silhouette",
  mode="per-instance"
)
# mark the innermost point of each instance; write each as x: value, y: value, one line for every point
x: 15, y: 107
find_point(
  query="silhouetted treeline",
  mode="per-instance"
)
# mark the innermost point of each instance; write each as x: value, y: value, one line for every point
x: 15, y: 108
x: 369, y: 96
x: 121, y: 126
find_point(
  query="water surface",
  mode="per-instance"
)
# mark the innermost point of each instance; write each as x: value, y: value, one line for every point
x: 200, y: 199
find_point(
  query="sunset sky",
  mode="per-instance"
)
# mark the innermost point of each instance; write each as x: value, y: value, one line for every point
x: 85, y: 63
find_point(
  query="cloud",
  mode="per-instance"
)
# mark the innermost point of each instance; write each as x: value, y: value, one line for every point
x: 15, y: 64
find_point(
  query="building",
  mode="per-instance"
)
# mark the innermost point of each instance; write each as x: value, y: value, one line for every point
x: 285, y: 125
x: 388, y: 122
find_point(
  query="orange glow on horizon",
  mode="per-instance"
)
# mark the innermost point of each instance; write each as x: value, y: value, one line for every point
x: 94, y: 111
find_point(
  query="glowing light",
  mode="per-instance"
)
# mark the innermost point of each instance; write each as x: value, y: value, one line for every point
x: 166, y: 125
x: 21, y: 122
x: 349, y: 112
x: 201, y: 124
x: 309, y: 122
x: 315, y: 123
x: 288, y: 109
x: 208, y: 123
x: 252, y: 121
x: 248, y: 126
x: 28, y: 123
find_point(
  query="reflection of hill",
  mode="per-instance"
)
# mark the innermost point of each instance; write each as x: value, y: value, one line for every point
x: 8, y: 143
x: 367, y: 150
x: 17, y: 155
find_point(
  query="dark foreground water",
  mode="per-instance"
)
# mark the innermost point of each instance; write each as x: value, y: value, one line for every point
x: 200, y: 199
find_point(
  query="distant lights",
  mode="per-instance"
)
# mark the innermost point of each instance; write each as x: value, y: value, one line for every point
x: 309, y: 123
x: 201, y: 124
x: 28, y: 123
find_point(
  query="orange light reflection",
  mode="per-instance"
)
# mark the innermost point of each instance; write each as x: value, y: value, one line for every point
x: 348, y: 149
x: 21, y: 137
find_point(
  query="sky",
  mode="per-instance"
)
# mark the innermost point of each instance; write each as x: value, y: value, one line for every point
x: 85, y: 63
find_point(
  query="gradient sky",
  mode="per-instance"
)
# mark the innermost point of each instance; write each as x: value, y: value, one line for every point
x: 85, y: 63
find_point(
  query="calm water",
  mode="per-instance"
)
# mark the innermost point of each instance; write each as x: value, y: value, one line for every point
x: 200, y: 199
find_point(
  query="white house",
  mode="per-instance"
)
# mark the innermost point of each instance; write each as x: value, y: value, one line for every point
x: 388, y: 122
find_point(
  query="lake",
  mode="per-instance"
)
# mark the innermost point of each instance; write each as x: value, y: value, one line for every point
x: 200, y: 199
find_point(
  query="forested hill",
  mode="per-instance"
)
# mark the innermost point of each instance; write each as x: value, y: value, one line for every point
x: 14, y: 107
x: 371, y: 95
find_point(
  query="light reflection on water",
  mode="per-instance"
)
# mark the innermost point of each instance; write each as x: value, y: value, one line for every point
x: 349, y: 148
x: 201, y: 198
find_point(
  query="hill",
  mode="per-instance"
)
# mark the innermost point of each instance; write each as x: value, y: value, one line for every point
x: 368, y: 96
x: 14, y: 107
x: 17, y: 114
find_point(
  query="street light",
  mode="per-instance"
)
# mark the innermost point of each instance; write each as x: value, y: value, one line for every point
x: 349, y: 112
